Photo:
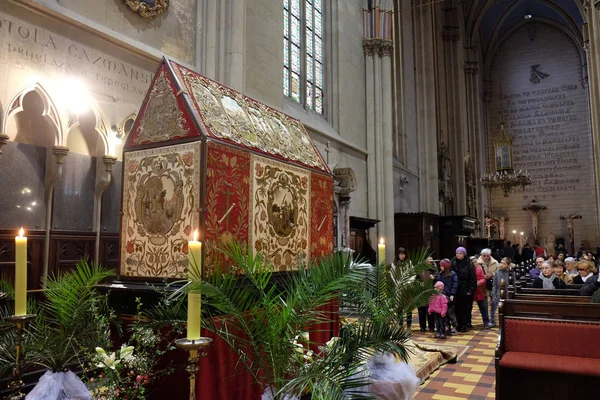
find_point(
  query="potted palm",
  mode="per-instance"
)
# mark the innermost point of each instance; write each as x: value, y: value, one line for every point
x: 264, y: 319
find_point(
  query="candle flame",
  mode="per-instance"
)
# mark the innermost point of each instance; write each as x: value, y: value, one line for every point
x: 21, y: 232
x: 381, y: 241
x: 196, y: 235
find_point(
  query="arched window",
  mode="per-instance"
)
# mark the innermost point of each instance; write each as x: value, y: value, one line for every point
x: 303, y: 52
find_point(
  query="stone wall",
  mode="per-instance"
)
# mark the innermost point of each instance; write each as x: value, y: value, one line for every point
x: 264, y: 59
x: 37, y: 48
x: 343, y: 124
x: 545, y: 103
x: 173, y: 33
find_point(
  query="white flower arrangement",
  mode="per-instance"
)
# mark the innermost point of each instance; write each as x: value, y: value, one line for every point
x: 111, y: 361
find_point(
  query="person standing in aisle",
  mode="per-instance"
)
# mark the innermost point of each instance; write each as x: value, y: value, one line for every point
x: 467, y: 283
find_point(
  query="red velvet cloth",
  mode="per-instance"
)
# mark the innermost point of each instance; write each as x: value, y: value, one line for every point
x: 321, y: 333
x: 218, y: 378
x: 551, y: 363
x: 549, y: 337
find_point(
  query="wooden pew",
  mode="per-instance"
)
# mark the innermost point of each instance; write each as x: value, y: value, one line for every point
x: 547, y: 349
x: 520, y: 290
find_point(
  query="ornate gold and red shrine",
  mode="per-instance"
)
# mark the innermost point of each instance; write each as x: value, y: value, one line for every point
x: 203, y: 156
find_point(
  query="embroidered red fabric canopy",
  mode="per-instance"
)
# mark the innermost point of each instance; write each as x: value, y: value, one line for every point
x: 203, y: 156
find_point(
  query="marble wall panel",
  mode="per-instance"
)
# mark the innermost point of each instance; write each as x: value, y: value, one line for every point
x: 74, y: 194
x: 22, y: 186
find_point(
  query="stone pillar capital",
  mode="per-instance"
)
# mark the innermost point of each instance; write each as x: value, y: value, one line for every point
x: 386, y: 47
x: 373, y: 47
x: 370, y: 47
x: 60, y: 152
x: 109, y: 161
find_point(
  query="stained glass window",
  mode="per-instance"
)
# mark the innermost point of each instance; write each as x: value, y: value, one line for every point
x: 303, y: 52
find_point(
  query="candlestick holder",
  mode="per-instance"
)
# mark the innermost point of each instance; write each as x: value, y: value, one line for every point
x: 195, y: 349
x: 20, y: 322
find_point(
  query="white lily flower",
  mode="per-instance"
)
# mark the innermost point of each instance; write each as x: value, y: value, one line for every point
x: 332, y: 342
x: 126, y: 352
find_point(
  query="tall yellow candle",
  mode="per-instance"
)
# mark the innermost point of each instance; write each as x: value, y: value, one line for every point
x: 193, y: 320
x: 195, y: 258
x: 21, y: 274
x: 194, y: 274
x: 381, y: 252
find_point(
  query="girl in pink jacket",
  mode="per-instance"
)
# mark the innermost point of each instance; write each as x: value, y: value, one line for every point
x: 438, y: 307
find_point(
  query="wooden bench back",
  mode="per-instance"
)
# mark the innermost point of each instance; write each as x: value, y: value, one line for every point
x: 553, y: 298
x: 567, y: 310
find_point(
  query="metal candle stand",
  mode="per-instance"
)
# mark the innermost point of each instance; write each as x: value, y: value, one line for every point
x: 20, y: 322
x: 195, y: 349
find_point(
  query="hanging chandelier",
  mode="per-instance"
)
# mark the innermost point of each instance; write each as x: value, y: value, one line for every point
x: 506, y: 179
x: 505, y: 176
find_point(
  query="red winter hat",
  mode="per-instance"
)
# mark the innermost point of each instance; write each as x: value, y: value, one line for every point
x: 445, y: 263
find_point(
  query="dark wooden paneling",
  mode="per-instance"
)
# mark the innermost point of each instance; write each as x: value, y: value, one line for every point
x: 67, y: 248
x: 414, y: 231
x: 109, y: 250
x: 35, y: 257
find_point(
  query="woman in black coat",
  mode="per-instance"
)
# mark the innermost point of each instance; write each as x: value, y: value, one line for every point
x: 547, y: 279
x: 467, y: 283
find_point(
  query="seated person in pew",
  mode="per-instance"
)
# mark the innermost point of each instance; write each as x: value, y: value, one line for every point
x: 535, y: 271
x: 570, y: 264
x: 547, y: 279
x: 559, y: 271
x: 590, y: 288
x: 586, y: 272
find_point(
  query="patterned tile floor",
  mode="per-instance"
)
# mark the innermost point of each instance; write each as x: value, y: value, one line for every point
x: 473, y: 376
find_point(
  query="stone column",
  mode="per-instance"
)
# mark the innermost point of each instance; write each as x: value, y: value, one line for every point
x: 425, y: 82
x: 473, y: 125
x: 457, y: 135
x: 593, y: 52
x: 345, y: 211
x: 369, y: 47
x: 387, y: 143
x: 379, y: 167
x: 54, y: 166
x: 103, y: 178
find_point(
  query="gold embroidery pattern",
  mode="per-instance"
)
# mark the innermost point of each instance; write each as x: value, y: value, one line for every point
x: 279, y: 213
x: 160, y: 195
x: 162, y: 120
x: 231, y: 115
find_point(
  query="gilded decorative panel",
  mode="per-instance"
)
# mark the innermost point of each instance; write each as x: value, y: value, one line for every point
x: 162, y: 117
x: 231, y: 116
x: 160, y: 202
x: 321, y: 224
x: 279, y: 212
x: 227, y: 199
